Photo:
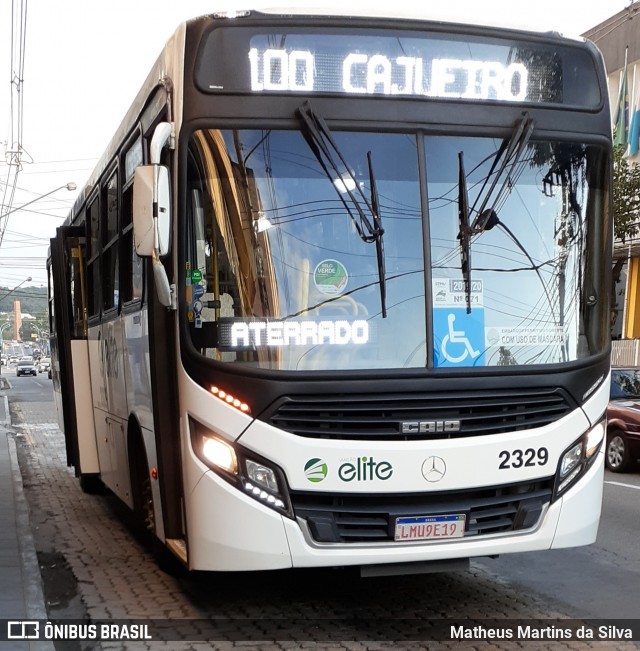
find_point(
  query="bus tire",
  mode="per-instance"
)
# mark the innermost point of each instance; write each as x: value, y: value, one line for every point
x: 144, y: 513
x: 91, y: 484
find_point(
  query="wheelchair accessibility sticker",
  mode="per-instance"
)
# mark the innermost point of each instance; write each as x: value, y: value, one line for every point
x: 459, y: 338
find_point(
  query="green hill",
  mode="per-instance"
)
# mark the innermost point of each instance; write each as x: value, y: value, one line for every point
x: 33, y: 300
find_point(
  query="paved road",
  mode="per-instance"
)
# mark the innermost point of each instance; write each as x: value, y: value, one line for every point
x: 95, y: 569
x: 602, y: 580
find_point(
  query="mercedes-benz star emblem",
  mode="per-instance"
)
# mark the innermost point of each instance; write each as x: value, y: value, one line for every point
x: 434, y: 469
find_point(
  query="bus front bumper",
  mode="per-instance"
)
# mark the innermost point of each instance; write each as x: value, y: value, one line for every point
x: 234, y: 532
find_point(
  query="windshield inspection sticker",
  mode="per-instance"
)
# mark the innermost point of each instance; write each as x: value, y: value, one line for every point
x: 330, y: 277
x: 450, y: 292
x: 458, y: 336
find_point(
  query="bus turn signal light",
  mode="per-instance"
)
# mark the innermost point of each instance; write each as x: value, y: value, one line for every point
x: 231, y: 400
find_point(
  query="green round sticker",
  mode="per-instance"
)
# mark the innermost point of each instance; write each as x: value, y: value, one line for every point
x: 330, y: 277
x: 196, y: 276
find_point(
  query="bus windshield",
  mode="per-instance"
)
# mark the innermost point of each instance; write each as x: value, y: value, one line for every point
x: 279, y: 277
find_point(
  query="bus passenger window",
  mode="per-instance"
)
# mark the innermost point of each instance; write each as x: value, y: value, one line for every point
x: 132, y: 264
x: 93, y: 264
x: 76, y: 262
x: 110, y: 274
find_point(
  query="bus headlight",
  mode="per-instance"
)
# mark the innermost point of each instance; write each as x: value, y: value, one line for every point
x: 571, y: 459
x: 248, y: 472
x: 578, y: 458
x: 220, y: 454
x: 262, y: 475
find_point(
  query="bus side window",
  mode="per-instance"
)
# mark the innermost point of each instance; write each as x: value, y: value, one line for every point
x: 93, y: 263
x: 131, y: 279
x: 110, y: 271
x: 76, y: 261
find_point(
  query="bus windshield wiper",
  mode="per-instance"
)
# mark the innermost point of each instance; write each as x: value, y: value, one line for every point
x: 377, y: 222
x: 504, y: 167
x: 364, y: 213
x: 464, y: 229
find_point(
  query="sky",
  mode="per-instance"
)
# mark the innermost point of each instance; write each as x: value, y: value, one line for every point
x: 83, y: 63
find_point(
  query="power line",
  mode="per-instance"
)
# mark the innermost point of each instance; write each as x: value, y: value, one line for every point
x: 614, y: 23
x: 63, y: 160
x: 15, y: 149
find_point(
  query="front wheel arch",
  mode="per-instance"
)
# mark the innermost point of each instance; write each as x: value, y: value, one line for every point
x: 142, y: 497
x: 139, y: 475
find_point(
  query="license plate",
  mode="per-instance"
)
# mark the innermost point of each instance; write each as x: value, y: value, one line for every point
x: 430, y: 527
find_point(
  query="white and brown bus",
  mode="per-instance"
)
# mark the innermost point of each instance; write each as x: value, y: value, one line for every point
x: 337, y: 294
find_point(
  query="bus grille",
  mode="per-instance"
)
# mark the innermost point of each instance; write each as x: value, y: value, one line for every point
x: 380, y: 417
x: 342, y: 518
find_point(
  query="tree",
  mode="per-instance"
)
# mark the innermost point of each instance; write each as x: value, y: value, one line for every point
x: 27, y: 330
x: 626, y: 195
x: 626, y: 210
x: 33, y: 300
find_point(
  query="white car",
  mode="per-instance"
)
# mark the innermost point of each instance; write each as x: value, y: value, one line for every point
x: 26, y: 367
x: 44, y: 364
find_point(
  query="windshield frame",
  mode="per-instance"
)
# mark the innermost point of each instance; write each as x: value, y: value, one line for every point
x: 360, y: 372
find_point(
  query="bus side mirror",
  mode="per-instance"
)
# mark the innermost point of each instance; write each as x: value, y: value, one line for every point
x: 151, y: 210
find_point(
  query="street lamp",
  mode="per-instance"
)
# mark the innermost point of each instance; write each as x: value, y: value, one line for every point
x: 26, y: 280
x: 2, y: 327
x: 70, y: 186
x: 5, y: 215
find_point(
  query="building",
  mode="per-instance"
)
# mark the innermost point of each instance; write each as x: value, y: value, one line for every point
x: 618, y: 38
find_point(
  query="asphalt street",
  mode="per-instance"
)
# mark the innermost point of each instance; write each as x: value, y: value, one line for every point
x: 95, y: 567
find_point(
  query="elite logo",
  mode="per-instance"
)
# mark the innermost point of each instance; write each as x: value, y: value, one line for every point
x: 358, y: 469
x: 315, y: 470
x: 365, y: 469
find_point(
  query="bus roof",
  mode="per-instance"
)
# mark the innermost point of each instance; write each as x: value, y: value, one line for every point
x: 357, y: 9
x: 385, y: 9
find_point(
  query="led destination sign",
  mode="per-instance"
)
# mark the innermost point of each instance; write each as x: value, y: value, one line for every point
x: 279, y: 70
x: 257, y: 333
x: 379, y: 62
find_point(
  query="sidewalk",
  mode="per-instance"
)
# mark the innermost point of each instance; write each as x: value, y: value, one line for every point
x: 21, y: 596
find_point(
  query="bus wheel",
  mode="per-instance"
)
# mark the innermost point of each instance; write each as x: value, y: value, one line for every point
x: 146, y: 520
x: 146, y: 514
x: 143, y: 499
x: 91, y: 484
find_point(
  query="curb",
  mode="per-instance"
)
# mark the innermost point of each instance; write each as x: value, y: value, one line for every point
x: 30, y: 567
x: 31, y: 577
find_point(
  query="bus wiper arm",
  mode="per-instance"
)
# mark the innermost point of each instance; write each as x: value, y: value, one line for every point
x: 464, y: 230
x: 324, y: 148
x: 320, y: 140
x: 377, y: 221
x: 506, y: 160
